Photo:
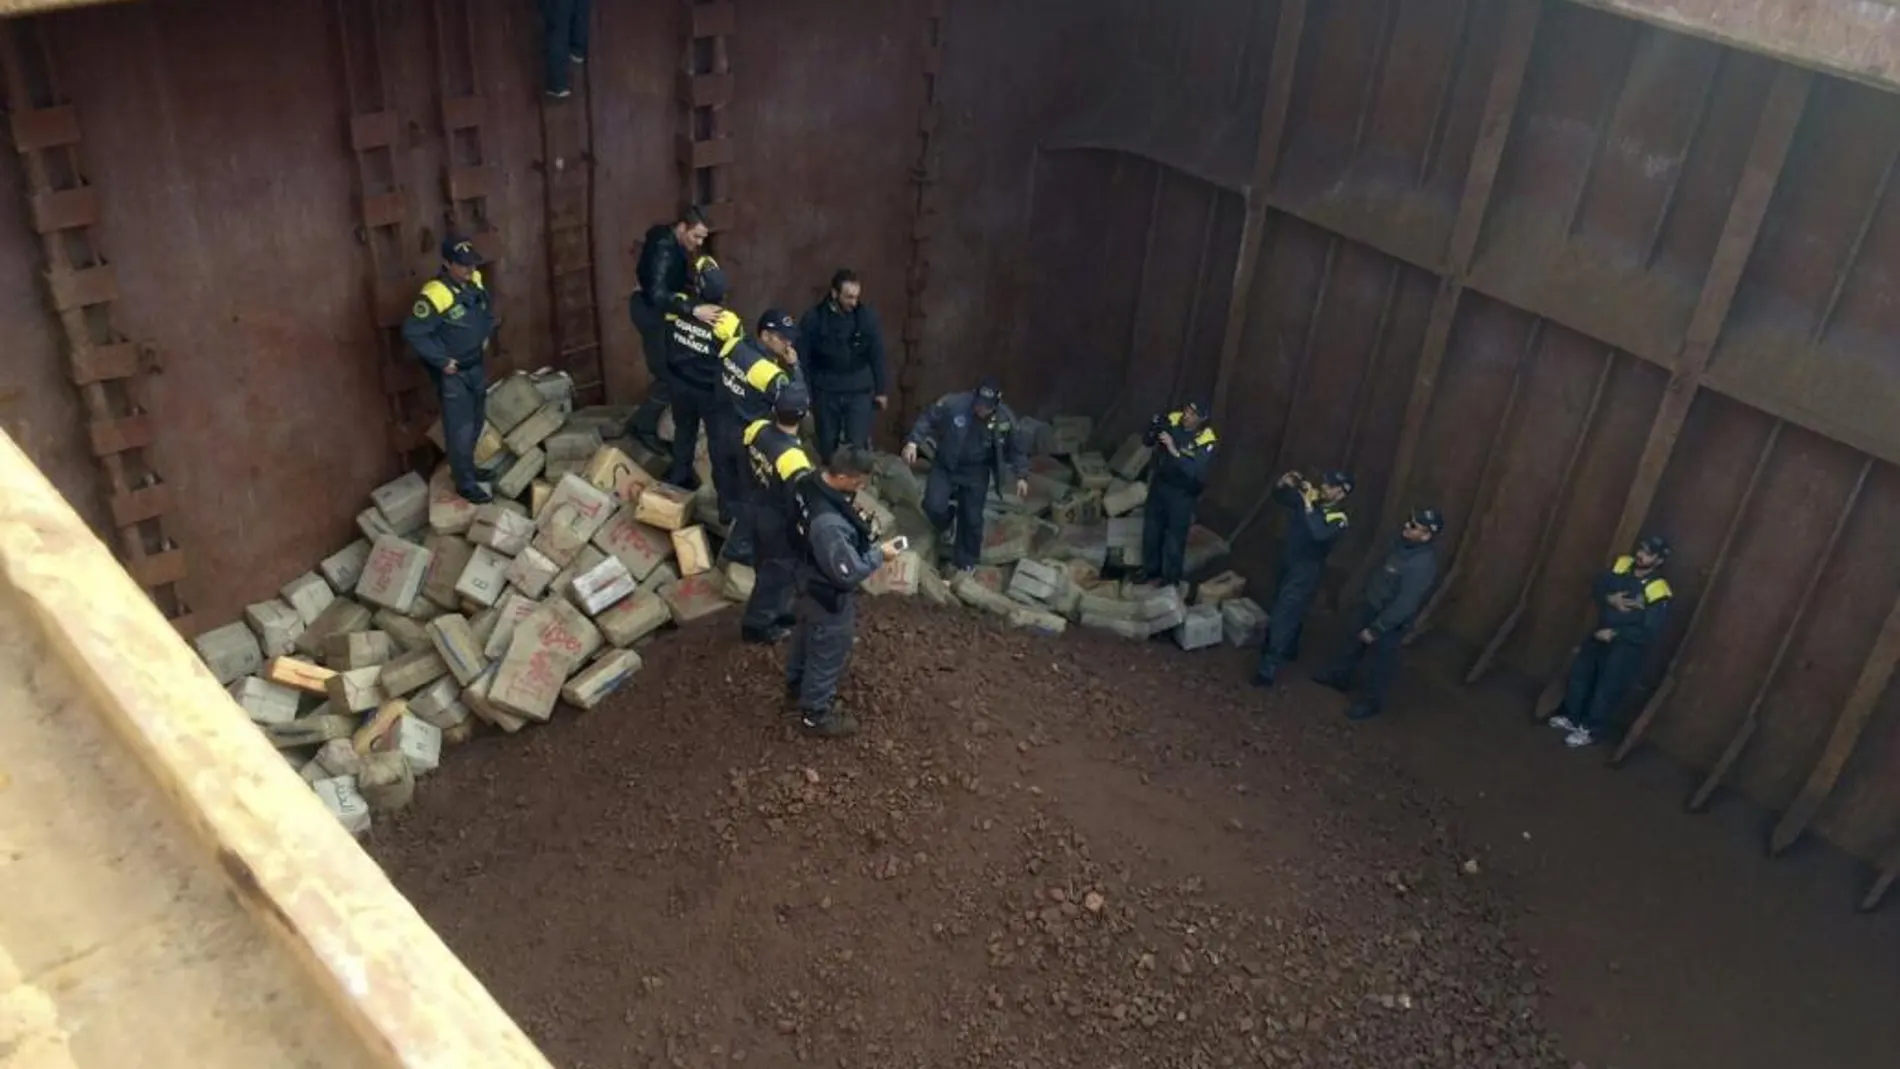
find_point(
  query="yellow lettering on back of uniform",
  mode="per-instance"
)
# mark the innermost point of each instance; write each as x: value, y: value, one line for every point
x: 438, y: 294
x: 1657, y: 590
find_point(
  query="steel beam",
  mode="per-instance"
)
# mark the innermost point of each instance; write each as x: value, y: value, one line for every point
x: 1751, y: 720
x: 1774, y: 133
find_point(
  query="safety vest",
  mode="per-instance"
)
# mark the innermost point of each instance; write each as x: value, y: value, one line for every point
x: 751, y: 380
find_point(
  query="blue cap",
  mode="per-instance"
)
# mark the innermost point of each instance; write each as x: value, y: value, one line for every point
x: 792, y: 402
x: 709, y: 281
x: 1199, y: 406
x: 1341, y: 479
x: 778, y: 322
x: 1429, y: 518
x: 459, y: 250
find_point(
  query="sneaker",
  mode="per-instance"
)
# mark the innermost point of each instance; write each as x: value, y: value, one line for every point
x: 1363, y: 711
x: 832, y: 725
x: 476, y: 496
x: 1562, y: 723
x: 577, y: 58
x: 560, y: 94
x: 1579, y: 739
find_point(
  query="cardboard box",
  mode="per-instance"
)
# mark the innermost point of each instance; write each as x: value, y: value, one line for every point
x: 517, y: 477
x: 693, y: 550
x: 231, y: 652
x: 531, y: 572
x: 358, y: 649
x: 664, y: 506
x: 344, y: 567
x: 511, y: 401
x: 403, y: 503
x: 276, y: 624
x: 614, y: 472
x: 308, y: 594
x: 534, y: 430
x: 265, y: 702
x: 411, y: 672
x: 356, y: 691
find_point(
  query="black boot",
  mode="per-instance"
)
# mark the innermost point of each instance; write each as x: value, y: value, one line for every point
x: 1340, y: 683
x: 764, y: 636
x: 1363, y: 710
x: 833, y: 723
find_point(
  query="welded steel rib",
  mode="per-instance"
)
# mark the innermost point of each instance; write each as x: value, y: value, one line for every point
x: 1751, y: 720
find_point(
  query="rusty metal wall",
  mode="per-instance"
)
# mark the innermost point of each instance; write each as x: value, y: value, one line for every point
x: 1567, y: 276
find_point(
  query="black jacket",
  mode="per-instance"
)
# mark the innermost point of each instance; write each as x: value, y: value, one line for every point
x: 665, y: 272
x: 834, y: 541
x: 1647, y: 598
x: 450, y: 321
x: 1188, y: 471
x: 844, y: 351
x: 1314, y: 529
x: 1397, y: 590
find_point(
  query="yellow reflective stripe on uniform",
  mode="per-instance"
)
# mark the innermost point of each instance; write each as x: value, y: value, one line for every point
x: 1174, y: 419
x: 727, y: 346
x: 477, y: 279
x: 791, y: 462
x: 1623, y: 565
x: 1657, y: 590
x: 1336, y: 517
x: 762, y: 374
x: 439, y: 296
x: 727, y: 325
x: 1206, y: 437
x: 753, y: 428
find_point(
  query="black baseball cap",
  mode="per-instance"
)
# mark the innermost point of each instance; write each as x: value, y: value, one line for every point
x: 792, y: 402
x: 709, y: 280
x: 1655, y: 544
x: 989, y: 393
x: 1429, y: 518
x: 778, y: 322
x: 460, y: 250
x: 1336, y: 477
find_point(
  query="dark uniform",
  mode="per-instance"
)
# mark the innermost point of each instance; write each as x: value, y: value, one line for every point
x: 845, y: 352
x: 777, y: 463
x: 1173, y: 491
x: 695, y: 359
x: 451, y: 323
x: 836, y: 557
x: 750, y: 380
x: 1632, y: 607
x: 665, y: 275
x: 971, y: 451
x: 1312, y: 530
x: 1394, y: 595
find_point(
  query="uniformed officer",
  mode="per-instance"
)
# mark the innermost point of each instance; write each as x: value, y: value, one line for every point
x: 976, y: 441
x: 449, y: 328
x: 844, y: 346
x: 777, y: 461
x: 1185, y: 447
x: 1317, y: 519
x: 1394, y: 595
x: 751, y: 375
x: 695, y: 354
x: 836, y: 557
x: 665, y: 274
x: 1632, y: 601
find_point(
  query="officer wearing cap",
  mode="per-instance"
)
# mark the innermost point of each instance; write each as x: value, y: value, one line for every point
x: 449, y: 327
x: 844, y: 346
x: 1317, y: 519
x: 976, y: 442
x: 836, y: 557
x: 1394, y: 595
x: 776, y: 462
x: 695, y: 351
x: 665, y: 275
x: 1184, y: 445
x: 752, y: 373
x: 1632, y: 600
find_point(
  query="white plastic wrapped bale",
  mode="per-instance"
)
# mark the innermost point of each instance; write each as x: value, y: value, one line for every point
x: 600, y: 587
x: 1200, y: 628
x: 1243, y: 621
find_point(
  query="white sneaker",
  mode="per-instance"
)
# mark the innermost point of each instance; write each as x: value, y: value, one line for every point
x: 1562, y: 723
x: 1579, y: 738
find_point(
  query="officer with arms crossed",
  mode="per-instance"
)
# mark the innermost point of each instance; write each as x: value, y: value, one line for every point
x: 449, y: 328
x: 695, y: 351
x: 1186, y: 447
x: 665, y: 275
x: 844, y: 345
x: 1317, y: 520
x: 976, y: 441
x: 1632, y: 601
x: 1394, y: 595
x: 776, y: 464
x: 834, y: 542
x: 751, y: 375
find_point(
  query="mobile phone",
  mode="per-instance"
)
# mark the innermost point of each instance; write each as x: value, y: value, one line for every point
x: 900, y: 543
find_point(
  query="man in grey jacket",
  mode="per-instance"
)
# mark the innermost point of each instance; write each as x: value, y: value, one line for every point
x: 1394, y: 595
x: 834, y: 543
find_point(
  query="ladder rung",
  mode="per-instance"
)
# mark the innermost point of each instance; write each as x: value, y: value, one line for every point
x: 136, y: 506
x: 44, y: 128
x: 110, y: 436
x: 100, y: 363
x: 66, y: 209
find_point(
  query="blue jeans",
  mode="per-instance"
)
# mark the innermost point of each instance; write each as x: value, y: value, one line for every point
x: 1298, y: 584
x: 464, y: 408
x: 563, y: 36
x: 945, y: 494
x: 1164, y: 529
x: 842, y: 419
x: 1599, y: 680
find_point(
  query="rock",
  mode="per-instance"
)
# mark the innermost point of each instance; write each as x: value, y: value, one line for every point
x: 344, y: 567
x: 231, y: 652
